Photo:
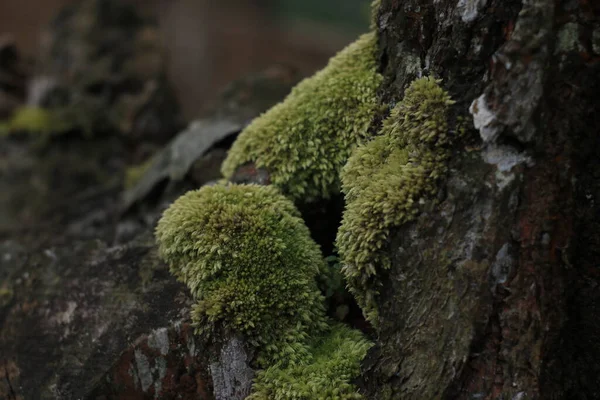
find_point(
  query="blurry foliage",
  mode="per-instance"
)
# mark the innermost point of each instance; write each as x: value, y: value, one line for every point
x: 350, y: 15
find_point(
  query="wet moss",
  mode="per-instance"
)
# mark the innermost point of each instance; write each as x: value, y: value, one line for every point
x: 249, y: 261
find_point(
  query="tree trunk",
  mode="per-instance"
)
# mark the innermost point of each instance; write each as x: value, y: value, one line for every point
x: 493, y: 293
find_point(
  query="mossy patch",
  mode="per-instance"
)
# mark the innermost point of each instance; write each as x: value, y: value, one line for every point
x: 334, y: 362
x: 35, y: 120
x: 385, y: 180
x: 251, y: 265
x: 248, y: 259
x: 304, y: 141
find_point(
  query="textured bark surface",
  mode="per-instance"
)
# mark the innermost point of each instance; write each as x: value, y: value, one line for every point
x: 493, y: 292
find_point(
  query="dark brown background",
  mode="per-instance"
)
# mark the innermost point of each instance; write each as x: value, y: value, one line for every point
x: 209, y: 43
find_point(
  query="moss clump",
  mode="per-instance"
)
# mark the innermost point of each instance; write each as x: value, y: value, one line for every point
x: 250, y: 263
x: 304, y: 141
x: 334, y: 362
x: 248, y: 259
x: 386, y: 179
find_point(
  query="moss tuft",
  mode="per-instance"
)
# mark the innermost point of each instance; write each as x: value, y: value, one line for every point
x: 386, y: 179
x: 251, y: 266
x: 248, y: 259
x: 304, y: 141
x: 335, y: 361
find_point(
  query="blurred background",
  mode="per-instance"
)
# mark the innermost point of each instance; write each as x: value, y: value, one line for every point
x: 211, y: 43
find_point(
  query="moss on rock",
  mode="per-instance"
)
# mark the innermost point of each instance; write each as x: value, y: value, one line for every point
x: 386, y: 179
x: 304, y: 141
x: 251, y: 265
x: 248, y: 259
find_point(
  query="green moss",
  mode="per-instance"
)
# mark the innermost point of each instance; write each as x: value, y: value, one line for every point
x: 35, y: 120
x: 334, y: 362
x: 331, y: 280
x: 251, y: 266
x: 375, y: 6
x: 385, y: 180
x: 304, y: 141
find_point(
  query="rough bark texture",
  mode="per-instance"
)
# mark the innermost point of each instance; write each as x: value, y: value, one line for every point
x: 493, y: 292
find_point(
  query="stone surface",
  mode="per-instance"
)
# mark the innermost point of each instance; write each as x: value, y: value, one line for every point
x: 231, y: 373
x: 70, y: 309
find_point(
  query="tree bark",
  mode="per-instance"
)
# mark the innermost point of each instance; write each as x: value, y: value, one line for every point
x: 493, y: 292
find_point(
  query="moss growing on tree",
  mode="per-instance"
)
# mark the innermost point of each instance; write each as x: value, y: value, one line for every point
x: 250, y: 263
x: 386, y: 179
x: 334, y: 361
x: 304, y: 141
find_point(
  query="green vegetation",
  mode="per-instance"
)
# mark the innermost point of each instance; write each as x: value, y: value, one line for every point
x: 34, y: 120
x: 304, y: 141
x: 385, y: 180
x: 343, y: 15
x: 334, y: 362
x: 250, y: 263
x: 248, y: 259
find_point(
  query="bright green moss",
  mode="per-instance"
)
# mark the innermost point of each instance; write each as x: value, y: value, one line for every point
x: 250, y: 263
x: 251, y: 266
x: 334, y: 362
x: 386, y: 179
x: 304, y: 141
